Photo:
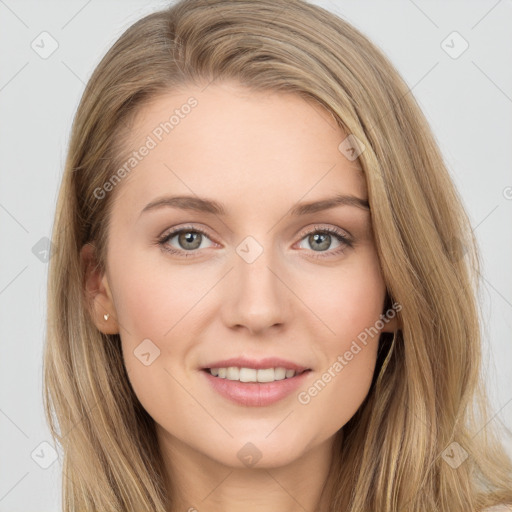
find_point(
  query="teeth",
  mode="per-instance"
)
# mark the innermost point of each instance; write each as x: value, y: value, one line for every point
x: 253, y: 375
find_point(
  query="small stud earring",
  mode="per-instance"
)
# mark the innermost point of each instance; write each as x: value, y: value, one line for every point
x: 105, y: 316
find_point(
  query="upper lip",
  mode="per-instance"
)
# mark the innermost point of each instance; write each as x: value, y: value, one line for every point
x: 268, y: 362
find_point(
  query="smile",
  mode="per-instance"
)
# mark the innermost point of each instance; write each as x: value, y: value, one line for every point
x: 244, y: 387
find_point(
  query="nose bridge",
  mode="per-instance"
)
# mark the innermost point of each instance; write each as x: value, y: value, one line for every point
x: 258, y: 299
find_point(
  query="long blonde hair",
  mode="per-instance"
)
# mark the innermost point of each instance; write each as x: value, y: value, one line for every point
x: 428, y: 391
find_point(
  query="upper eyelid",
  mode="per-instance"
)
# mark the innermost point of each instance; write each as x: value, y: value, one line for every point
x: 328, y: 228
x: 175, y: 231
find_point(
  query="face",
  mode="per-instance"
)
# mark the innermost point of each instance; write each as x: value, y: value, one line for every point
x: 250, y: 266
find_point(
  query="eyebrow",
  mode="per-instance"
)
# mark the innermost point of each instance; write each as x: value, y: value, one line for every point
x: 210, y: 206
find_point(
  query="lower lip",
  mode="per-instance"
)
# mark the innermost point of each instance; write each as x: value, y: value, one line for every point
x: 255, y: 394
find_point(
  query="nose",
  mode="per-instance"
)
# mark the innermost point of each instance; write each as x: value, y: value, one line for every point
x: 257, y: 297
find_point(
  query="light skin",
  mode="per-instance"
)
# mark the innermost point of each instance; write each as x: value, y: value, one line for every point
x: 302, y: 299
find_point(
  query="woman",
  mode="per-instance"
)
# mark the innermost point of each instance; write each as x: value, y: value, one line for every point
x: 262, y: 294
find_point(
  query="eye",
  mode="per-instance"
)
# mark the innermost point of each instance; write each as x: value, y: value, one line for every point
x: 321, y: 238
x: 188, y: 239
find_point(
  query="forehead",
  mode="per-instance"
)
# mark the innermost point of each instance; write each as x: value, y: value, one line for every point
x: 231, y: 143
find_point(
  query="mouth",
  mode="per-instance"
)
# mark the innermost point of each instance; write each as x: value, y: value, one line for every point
x: 255, y: 387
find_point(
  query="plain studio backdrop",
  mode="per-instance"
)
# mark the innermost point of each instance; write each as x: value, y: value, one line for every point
x: 455, y: 56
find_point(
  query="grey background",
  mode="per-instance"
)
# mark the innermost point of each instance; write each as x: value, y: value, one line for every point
x: 467, y: 100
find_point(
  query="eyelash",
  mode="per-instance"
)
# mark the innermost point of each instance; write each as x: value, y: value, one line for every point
x: 162, y: 241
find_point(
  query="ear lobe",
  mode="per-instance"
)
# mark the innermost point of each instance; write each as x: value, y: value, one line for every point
x: 97, y: 292
x: 391, y: 325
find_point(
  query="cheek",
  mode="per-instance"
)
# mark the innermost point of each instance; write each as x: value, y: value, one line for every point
x: 154, y: 308
x: 347, y: 300
x: 152, y: 300
x: 349, y: 304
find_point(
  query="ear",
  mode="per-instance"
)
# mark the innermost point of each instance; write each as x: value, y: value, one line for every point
x: 390, y: 317
x: 390, y: 324
x: 97, y: 292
